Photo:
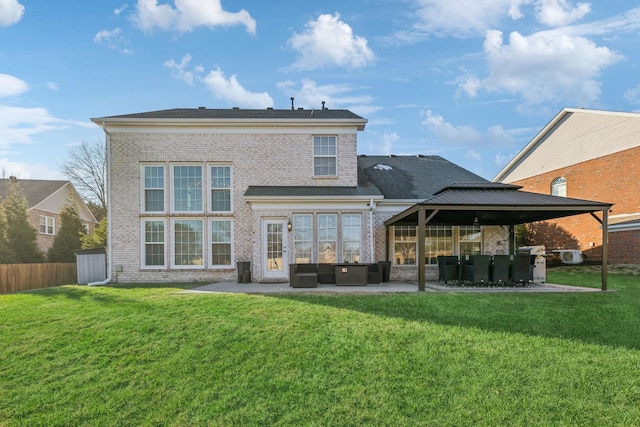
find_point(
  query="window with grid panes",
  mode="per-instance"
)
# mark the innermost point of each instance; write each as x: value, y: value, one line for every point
x: 325, y: 155
x: 405, y: 244
x: 438, y: 241
x: 302, y: 238
x: 221, y: 242
x: 351, y: 237
x: 470, y: 240
x: 154, y: 253
x: 153, y: 179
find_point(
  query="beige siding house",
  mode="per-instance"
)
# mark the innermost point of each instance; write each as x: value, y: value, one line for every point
x: 195, y: 191
x: 45, y: 200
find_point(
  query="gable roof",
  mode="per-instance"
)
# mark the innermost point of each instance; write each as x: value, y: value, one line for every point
x: 237, y: 116
x: 34, y: 190
x: 411, y: 177
x: 573, y: 136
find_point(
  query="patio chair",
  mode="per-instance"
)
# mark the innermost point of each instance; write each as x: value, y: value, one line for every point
x: 373, y: 274
x: 303, y: 275
x: 522, y: 269
x: 501, y: 266
x: 448, y: 268
x: 476, y: 270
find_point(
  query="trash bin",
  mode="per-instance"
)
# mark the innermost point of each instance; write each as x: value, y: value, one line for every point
x: 384, y: 267
x: 244, y: 271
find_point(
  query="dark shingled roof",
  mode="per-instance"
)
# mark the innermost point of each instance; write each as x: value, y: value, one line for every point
x: 238, y: 113
x: 412, y: 177
x: 34, y: 190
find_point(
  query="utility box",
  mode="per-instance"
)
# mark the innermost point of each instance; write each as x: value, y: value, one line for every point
x: 540, y: 269
x: 91, y: 265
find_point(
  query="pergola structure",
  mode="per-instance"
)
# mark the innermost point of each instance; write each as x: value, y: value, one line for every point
x: 495, y: 204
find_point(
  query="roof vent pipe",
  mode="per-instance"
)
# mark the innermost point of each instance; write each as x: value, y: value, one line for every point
x: 292, y: 107
x: 322, y: 105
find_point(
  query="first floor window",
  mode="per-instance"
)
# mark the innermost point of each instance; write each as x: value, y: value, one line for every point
x: 47, y: 225
x: 470, y: 240
x: 154, y: 253
x: 351, y: 237
x: 327, y: 238
x: 438, y: 241
x: 302, y: 238
x: 221, y: 247
x: 187, y: 246
x: 405, y: 244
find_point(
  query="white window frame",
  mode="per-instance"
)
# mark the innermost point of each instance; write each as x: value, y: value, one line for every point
x: 203, y: 198
x: 211, y: 242
x: 344, y: 242
x: 143, y: 243
x: 49, y: 223
x: 408, y: 237
x: 143, y: 187
x: 559, y: 187
x: 174, y: 242
x: 320, y: 138
x: 211, y: 188
x: 320, y: 233
x: 297, y: 228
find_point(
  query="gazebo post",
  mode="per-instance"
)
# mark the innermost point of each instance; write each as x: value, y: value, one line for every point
x: 422, y: 225
x: 605, y: 248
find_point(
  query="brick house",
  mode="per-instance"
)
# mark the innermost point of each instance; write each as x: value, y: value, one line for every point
x: 45, y: 200
x: 194, y: 191
x: 589, y: 154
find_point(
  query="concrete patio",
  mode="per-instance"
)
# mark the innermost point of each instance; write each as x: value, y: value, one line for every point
x: 386, y: 287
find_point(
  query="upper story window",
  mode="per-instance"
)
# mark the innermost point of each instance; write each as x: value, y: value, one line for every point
x: 559, y: 187
x: 187, y: 188
x: 153, y: 191
x: 220, y: 188
x: 325, y: 156
x: 47, y: 225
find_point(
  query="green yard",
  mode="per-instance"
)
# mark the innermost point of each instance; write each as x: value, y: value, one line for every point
x: 75, y: 355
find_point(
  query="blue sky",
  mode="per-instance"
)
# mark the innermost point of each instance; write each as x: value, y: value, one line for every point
x: 470, y: 80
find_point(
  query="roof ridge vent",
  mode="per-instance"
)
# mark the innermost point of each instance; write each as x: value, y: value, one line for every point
x: 235, y: 108
x: 202, y: 108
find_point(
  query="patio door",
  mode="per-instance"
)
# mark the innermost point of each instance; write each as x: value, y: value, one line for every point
x: 274, y: 249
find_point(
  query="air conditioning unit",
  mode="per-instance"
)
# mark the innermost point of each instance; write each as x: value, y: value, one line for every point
x: 570, y: 256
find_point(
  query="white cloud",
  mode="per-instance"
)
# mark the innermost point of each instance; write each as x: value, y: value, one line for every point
x: 328, y: 42
x: 230, y: 90
x: 18, y: 125
x: 308, y: 94
x: 633, y: 94
x: 179, y: 71
x: 119, y: 10
x: 545, y: 67
x: 187, y: 15
x: 114, y: 39
x: 556, y: 13
x: 11, y: 86
x: 447, y: 133
x: 11, y: 12
x: 27, y: 170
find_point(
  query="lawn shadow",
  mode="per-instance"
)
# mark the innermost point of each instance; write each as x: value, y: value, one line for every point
x: 593, y: 318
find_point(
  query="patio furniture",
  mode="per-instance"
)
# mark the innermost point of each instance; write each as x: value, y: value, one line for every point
x: 326, y: 274
x: 374, y: 276
x: 522, y: 269
x: 352, y: 274
x: 448, y: 268
x: 501, y: 267
x: 303, y: 275
x: 476, y: 269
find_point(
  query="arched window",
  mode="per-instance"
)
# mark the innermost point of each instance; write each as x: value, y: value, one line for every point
x: 559, y: 187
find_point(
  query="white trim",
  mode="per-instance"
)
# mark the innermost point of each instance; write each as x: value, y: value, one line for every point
x: 210, y: 165
x: 203, y: 194
x: 46, y: 225
x: 172, y: 251
x: 320, y: 156
x: 143, y: 188
x: 143, y: 244
x: 210, y: 263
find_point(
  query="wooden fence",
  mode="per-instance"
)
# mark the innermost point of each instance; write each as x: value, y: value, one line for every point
x: 24, y: 277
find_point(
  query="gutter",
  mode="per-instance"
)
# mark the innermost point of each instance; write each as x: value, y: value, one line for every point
x: 372, y: 207
x: 109, y: 240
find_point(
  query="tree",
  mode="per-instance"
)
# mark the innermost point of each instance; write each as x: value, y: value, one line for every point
x: 7, y: 256
x: 68, y: 239
x: 98, y: 239
x: 21, y: 236
x: 86, y: 166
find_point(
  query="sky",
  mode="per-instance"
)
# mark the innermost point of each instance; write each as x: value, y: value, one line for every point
x: 472, y: 81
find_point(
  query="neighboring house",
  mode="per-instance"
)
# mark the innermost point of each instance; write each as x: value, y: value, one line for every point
x: 588, y: 154
x: 45, y: 200
x: 194, y: 191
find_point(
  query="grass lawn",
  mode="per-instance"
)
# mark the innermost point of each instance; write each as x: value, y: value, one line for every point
x: 145, y: 355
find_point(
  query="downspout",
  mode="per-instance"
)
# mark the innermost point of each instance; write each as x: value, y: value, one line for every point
x: 372, y: 206
x: 109, y: 240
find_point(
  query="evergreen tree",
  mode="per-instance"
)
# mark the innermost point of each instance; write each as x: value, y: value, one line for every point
x: 21, y: 236
x: 7, y: 256
x: 68, y: 239
x: 98, y: 239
